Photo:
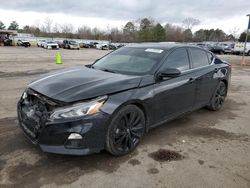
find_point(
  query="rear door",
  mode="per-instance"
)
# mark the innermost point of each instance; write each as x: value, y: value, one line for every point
x: 202, y: 64
x: 175, y: 96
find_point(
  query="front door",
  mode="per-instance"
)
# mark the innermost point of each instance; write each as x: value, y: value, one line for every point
x: 175, y: 96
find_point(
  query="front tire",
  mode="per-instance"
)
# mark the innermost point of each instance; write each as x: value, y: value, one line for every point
x: 219, y: 97
x: 125, y: 131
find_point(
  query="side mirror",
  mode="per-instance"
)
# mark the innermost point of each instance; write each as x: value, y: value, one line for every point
x: 169, y: 73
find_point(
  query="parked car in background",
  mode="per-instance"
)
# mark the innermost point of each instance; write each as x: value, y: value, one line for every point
x: 112, y: 47
x: 40, y: 43
x: 239, y: 48
x: 111, y: 104
x: 24, y: 43
x: 60, y: 44
x: 215, y: 48
x: 87, y: 45
x: 50, y: 45
x: 102, y: 46
x: 92, y: 44
x: 227, y: 47
x: 120, y: 45
x: 202, y: 45
x: 70, y: 44
x: 83, y: 45
x: 8, y: 42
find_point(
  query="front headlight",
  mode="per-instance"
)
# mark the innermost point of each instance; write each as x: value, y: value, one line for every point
x: 79, y: 110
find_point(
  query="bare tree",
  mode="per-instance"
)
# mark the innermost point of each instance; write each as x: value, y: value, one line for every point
x: 190, y: 22
x: 235, y: 32
x: 37, y: 23
x: 115, y: 34
x: 84, y: 32
x: 174, y: 33
x: 67, y: 28
x: 97, y: 33
x: 48, y: 25
x: 56, y: 28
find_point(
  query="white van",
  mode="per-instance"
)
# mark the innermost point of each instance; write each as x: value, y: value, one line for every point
x: 239, y: 47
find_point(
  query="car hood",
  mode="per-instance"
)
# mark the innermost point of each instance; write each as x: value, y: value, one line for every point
x: 70, y: 85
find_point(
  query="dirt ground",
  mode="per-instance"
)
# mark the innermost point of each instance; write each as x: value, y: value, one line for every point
x: 202, y: 149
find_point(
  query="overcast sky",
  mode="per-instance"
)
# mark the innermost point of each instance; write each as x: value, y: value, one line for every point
x: 224, y: 14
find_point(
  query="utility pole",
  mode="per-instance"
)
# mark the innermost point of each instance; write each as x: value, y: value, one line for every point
x: 245, y: 45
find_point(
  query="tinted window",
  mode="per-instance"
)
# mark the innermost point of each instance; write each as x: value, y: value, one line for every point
x: 177, y: 59
x: 199, y: 58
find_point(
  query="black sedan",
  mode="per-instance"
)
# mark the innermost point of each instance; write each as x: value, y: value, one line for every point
x: 112, y: 103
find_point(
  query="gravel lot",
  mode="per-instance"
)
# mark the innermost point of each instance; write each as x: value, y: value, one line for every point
x: 210, y: 149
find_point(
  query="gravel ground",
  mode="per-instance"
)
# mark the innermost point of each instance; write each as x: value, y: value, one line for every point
x: 201, y: 149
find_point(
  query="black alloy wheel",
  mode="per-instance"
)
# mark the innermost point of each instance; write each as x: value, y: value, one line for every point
x: 126, y: 129
x: 219, y: 97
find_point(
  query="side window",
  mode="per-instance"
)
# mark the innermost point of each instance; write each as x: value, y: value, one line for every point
x: 177, y: 59
x: 199, y: 58
x: 210, y: 58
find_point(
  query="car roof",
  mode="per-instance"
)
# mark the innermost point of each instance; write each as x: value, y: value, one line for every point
x: 160, y: 45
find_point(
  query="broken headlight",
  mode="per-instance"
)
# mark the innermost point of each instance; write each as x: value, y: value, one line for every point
x: 79, y: 109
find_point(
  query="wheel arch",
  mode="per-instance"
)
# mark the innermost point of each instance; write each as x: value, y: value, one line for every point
x: 143, y: 108
x: 225, y: 81
x: 138, y: 103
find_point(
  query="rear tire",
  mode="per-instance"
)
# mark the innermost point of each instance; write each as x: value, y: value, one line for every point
x: 125, y: 131
x: 218, y: 98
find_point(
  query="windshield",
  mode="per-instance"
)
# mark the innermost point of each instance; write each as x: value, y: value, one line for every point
x: 130, y: 60
x: 72, y: 42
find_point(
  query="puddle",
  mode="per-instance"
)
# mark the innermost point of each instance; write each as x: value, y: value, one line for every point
x: 134, y: 162
x: 163, y: 155
x: 201, y: 162
x: 153, y: 171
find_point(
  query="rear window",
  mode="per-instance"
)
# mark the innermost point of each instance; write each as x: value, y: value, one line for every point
x: 199, y: 58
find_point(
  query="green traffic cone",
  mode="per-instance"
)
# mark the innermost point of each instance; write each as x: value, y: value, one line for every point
x: 58, y: 59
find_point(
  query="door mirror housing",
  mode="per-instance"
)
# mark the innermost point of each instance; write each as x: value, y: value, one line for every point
x: 169, y: 73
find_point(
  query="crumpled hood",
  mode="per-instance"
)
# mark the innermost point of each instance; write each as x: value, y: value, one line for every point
x: 76, y: 84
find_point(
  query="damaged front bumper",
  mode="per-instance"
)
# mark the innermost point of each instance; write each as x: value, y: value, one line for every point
x: 56, y: 136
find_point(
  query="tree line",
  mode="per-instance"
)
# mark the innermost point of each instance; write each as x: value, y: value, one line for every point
x: 142, y: 30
